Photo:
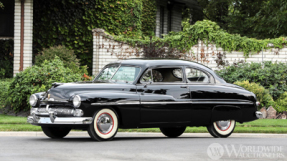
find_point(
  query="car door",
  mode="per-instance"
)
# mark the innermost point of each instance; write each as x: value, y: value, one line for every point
x: 200, y: 84
x: 164, y: 96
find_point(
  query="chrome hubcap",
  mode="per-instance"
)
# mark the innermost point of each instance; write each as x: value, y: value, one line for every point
x: 105, y: 123
x: 223, y: 125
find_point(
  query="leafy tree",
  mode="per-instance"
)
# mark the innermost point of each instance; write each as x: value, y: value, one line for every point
x: 1, y: 5
x: 270, y: 21
x: 251, y: 18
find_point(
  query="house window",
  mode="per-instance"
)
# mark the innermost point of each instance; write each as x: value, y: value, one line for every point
x: 161, y: 21
x: 169, y: 20
x: 7, y: 19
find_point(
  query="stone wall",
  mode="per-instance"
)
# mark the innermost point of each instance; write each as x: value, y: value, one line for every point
x: 106, y: 50
x: 207, y: 55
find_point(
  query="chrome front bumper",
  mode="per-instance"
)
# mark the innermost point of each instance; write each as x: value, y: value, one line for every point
x: 50, y: 116
x: 258, y: 114
x: 59, y: 120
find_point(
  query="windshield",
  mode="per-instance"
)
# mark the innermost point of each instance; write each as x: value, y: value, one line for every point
x: 107, y: 73
x: 114, y: 73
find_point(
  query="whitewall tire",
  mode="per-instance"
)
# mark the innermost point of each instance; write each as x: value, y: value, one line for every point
x: 104, y: 126
x: 221, y: 129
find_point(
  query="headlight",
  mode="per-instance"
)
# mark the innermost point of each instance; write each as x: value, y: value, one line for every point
x: 33, y: 100
x: 77, y: 101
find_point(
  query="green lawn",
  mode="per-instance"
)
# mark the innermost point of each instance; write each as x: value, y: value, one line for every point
x: 12, y: 123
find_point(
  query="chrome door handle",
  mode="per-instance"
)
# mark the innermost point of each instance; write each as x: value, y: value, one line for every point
x: 183, y: 86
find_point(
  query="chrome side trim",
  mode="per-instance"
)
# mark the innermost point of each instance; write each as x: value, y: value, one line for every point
x: 199, y: 102
x: 163, y: 103
x: 116, y: 103
x: 171, y: 102
x: 219, y: 102
x: 60, y: 120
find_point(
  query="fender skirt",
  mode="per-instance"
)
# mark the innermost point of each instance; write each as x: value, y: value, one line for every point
x: 226, y: 112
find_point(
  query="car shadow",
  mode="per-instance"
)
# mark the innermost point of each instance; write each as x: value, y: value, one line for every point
x: 88, y: 139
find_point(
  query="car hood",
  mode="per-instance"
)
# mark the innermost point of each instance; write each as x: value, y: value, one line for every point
x: 64, y: 92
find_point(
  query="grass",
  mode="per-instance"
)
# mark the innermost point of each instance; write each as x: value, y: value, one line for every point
x: 13, y: 123
x: 6, y: 119
x: 19, y: 127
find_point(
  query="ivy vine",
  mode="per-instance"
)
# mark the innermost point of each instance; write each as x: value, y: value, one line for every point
x: 69, y: 23
x: 148, y: 17
x: 209, y: 32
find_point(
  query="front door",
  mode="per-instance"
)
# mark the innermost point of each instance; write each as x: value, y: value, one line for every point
x: 165, y: 96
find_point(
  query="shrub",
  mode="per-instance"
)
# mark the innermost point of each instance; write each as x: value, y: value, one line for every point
x: 272, y: 76
x: 281, y: 103
x: 262, y: 94
x: 38, y: 79
x: 4, y: 85
x: 67, y: 56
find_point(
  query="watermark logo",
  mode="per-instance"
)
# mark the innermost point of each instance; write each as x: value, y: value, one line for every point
x: 216, y: 151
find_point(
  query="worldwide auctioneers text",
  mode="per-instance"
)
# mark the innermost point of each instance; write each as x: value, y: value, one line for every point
x: 217, y: 151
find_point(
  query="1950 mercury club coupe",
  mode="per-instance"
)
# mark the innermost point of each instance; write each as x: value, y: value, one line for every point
x: 169, y: 94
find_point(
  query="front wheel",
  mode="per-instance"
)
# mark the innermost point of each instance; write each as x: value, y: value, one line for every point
x: 104, y: 126
x: 56, y: 132
x: 221, y: 129
x: 172, y: 132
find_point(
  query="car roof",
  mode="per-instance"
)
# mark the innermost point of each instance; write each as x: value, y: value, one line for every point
x: 160, y: 62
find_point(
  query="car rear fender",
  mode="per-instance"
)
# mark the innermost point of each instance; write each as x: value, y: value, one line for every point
x: 226, y: 112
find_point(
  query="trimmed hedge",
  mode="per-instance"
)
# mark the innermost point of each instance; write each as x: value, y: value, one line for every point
x: 4, y: 86
x: 68, y: 57
x: 272, y: 76
x: 281, y: 103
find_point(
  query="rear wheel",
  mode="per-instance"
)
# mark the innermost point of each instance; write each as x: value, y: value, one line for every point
x: 56, y: 132
x: 172, y: 132
x: 104, y: 126
x: 221, y: 129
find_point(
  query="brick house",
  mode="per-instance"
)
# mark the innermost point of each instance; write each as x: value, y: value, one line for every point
x: 16, y: 22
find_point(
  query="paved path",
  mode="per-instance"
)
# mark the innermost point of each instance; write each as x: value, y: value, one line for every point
x: 142, y: 146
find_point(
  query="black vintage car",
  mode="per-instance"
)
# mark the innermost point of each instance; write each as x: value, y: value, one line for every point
x: 169, y: 94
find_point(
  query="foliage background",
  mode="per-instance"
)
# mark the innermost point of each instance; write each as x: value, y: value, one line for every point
x: 69, y: 23
x: 257, y: 18
x: 67, y: 56
x: 37, y: 79
x: 209, y: 32
x: 148, y: 17
x: 4, y: 86
x: 6, y: 58
x: 272, y: 76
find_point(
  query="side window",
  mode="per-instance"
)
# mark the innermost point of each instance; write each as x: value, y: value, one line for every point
x: 156, y: 75
x: 196, y: 76
x: 146, y: 76
x: 126, y: 73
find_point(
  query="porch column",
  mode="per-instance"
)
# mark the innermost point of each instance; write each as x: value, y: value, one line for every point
x: 27, y: 40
